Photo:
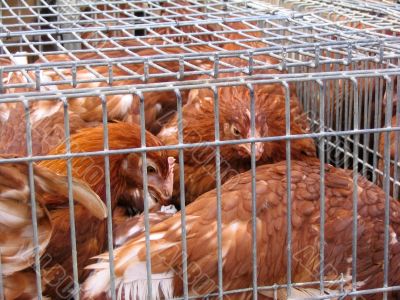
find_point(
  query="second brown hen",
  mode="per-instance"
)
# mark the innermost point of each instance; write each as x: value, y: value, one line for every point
x: 234, y: 123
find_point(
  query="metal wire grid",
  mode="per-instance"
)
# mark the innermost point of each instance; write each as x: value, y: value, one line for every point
x: 327, y: 51
x: 291, y: 38
x: 321, y: 135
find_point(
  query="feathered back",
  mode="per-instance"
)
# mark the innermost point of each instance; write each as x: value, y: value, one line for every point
x: 91, y: 168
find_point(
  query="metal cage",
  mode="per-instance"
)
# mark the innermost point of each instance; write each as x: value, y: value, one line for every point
x: 341, y: 57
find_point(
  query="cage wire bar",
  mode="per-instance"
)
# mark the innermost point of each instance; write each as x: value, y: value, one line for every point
x: 344, y: 52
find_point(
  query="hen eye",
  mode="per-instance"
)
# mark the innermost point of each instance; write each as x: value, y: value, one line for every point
x: 151, y: 170
x: 235, y: 131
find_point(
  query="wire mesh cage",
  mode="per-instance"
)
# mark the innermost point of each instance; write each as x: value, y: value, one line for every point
x: 272, y: 126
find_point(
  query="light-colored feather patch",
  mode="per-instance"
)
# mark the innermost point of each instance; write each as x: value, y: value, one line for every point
x: 44, y: 112
x: 20, y: 58
x: 46, y: 79
x: 168, y: 131
x: 125, y: 103
x: 133, y: 284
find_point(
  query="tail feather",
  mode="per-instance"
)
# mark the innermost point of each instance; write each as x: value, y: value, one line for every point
x: 131, y: 275
x: 132, y: 286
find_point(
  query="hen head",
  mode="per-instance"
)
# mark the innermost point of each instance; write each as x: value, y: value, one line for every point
x: 160, y: 178
x: 235, y: 117
x: 125, y: 169
x: 237, y: 125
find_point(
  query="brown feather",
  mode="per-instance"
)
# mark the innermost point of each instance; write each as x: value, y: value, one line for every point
x: 201, y: 226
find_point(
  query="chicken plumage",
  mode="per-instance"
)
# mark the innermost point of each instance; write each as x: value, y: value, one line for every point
x: 271, y: 213
x: 125, y: 229
x: 125, y: 173
x: 234, y: 113
x: 47, y: 117
x: 17, y: 243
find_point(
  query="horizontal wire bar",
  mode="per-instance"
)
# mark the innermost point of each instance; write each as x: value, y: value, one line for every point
x: 324, y: 134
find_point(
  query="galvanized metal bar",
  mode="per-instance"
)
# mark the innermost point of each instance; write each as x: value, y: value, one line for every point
x: 396, y: 175
x: 218, y: 189
x: 193, y: 145
x: 253, y: 193
x: 74, y: 254
x: 146, y: 195
x: 33, y: 200
x: 179, y: 104
x: 1, y: 275
x: 108, y: 197
x: 386, y: 180
x: 321, y: 147
x: 355, y: 187
x: 288, y: 190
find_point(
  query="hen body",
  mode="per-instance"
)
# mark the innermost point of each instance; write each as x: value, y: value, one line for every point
x: 198, y: 124
x: 271, y: 223
x: 17, y: 244
x: 125, y: 173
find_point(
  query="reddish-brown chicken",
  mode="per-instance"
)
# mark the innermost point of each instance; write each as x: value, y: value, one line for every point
x: 47, y: 117
x: 234, y: 113
x: 125, y: 173
x: 271, y: 210
x: 17, y: 244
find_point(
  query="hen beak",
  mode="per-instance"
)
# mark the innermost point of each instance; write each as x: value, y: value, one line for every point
x: 259, y: 149
x: 164, y: 190
x: 168, y: 185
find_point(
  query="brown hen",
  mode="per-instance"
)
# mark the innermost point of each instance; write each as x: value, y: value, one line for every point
x: 234, y: 113
x: 271, y: 224
x: 125, y: 173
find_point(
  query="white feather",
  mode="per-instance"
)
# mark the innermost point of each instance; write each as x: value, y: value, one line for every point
x: 132, y: 283
x: 135, y: 279
x: 19, y: 59
x: 169, y: 209
x: 168, y: 131
x: 125, y: 104
x: 44, y: 112
x: 98, y: 282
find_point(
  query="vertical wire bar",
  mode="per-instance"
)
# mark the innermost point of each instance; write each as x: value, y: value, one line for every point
x: 376, y: 125
x: 1, y: 275
x: 33, y: 200
x: 71, y: 202
x: 321, y: 146
x: 366, y: 119
x: 288, y: 191
x: 386, y: 181
x: 108, y: 197
x: 367, y: 122
x: 355, y: 188
x: 253, y: 191
x: 146, y: 193
x: 218, y: 188
x: 338, y: 111
x: 182, y: 195
x: 397, y: 143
